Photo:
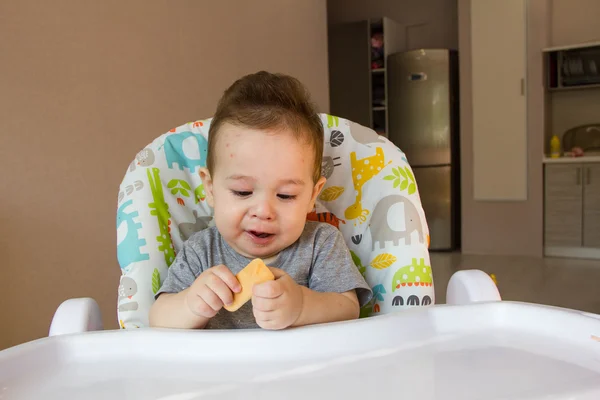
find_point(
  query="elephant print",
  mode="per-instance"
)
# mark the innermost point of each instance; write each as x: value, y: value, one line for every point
x: 382, y: 232
x: 175, y: 154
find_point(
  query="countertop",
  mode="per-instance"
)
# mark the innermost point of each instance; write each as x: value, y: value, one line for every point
x: 584, y: 159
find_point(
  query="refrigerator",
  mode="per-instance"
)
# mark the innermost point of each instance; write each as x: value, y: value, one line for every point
x: 423, y: 118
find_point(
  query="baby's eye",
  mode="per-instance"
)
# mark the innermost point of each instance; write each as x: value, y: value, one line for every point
x: 241, y: 193
x: 286, y: 196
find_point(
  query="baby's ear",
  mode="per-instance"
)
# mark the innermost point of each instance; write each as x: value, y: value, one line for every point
x: 208, y: 185
x: 316, y: 190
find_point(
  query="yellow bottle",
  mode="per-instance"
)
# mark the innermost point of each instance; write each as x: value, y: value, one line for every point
x: 554, y: 147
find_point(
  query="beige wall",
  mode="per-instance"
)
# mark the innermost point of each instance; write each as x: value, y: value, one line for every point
x: 493, y: 227
x: 430, y: 23
x: 573, y: 22
x: 86, y: 84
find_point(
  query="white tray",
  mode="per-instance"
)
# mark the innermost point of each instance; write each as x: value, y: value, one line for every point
x: 487, y: 351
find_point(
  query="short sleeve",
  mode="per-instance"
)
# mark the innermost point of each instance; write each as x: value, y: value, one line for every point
x: 334, y: 271
x: 182, y: 273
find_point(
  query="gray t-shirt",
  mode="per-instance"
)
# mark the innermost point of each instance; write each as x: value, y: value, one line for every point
x: 319, y: 260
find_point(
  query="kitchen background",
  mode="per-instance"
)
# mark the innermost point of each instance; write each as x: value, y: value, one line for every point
x: 533, y: 218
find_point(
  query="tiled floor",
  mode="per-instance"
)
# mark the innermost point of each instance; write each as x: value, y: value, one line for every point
x: 562, y: 282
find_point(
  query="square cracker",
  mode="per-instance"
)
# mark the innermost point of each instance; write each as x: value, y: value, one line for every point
x: 254, y: 273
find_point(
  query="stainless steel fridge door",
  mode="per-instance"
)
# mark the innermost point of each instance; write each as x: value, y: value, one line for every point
x: 419, y: 105
x: 435, y: 190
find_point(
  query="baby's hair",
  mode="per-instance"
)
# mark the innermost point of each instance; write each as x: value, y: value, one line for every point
x: 272, y: 102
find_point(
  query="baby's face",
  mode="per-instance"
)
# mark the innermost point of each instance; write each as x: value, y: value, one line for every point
x: 261, y: 189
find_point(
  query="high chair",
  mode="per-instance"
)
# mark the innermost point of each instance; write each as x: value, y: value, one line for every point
x: 371, y: 196
x: 474, y: 347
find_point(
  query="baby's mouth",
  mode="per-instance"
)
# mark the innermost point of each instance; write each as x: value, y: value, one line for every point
x: 261, y: 235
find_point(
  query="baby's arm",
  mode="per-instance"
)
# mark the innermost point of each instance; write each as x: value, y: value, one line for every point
x: 335, y: 288
x: 318, y: 308
x: 171, y: 311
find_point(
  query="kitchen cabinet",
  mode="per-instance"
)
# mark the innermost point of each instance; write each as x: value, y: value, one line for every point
x: 572, y: 67
x: 572, y: 205
x: 563, y: 198
x: 591, y: 205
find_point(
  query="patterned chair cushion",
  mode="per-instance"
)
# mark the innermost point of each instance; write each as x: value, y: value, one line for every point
x: 371, y: 196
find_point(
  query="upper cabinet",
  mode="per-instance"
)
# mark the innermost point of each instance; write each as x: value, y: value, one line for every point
x: 574, y: 67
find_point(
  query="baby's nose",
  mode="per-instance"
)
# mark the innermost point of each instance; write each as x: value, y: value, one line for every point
x: 264, y: 209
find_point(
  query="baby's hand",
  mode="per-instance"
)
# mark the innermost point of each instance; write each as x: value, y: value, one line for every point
x: 211, y: 290
x: 277, y: 304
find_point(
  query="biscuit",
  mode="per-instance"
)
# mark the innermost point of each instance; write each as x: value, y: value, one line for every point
x: 254, y: 273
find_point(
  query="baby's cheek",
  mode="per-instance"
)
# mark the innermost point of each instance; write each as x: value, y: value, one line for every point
x: 298, y: 222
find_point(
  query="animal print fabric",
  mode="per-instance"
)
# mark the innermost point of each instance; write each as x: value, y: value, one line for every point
x: 371, y: 196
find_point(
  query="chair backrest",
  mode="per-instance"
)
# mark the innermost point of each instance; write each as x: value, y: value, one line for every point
x: 370, y: 195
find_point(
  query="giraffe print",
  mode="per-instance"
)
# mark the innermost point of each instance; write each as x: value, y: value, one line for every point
x: 362, y: 171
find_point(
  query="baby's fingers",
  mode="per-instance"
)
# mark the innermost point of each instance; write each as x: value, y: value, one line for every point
x: 264, y: 304
x: 211, y: 299
x: 219, y: 288
x: 268, y: 290
x: 227, y: 277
